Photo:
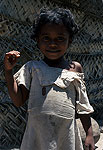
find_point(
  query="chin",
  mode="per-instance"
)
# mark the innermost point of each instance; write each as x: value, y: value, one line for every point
x: 53, y: 58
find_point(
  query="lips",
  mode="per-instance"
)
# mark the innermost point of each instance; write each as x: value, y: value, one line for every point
x: 53, y: 51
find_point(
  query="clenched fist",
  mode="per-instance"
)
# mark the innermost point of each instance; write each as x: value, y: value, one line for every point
x: 10, y: 59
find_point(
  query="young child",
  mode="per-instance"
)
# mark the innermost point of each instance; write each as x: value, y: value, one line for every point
x: 53, y: 86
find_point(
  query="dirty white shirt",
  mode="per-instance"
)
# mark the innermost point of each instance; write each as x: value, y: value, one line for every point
x: 54, y: 96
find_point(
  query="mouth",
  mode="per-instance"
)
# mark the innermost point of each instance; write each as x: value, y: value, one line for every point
x: 53, y: 51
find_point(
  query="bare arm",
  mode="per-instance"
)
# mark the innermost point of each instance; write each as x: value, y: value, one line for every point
x: 85, y: 118
x: 19, y: 94
x: 86, y: 122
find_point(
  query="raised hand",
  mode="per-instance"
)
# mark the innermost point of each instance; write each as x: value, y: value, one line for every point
x: 10, y: 59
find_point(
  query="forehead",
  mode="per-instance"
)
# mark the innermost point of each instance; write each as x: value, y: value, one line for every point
x: 51, y: 28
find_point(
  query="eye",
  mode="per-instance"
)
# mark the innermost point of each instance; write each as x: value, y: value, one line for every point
x: 60, y: 38
x: 45, y: 38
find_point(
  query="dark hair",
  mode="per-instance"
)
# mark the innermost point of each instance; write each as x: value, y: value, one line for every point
x: 56, y: 16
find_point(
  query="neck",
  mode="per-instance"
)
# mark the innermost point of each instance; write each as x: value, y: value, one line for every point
x: 59, y: 63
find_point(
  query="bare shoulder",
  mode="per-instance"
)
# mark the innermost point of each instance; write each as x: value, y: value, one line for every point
x: 76, y: 67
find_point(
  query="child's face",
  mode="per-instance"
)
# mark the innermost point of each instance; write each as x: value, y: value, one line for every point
x: 53, y: 40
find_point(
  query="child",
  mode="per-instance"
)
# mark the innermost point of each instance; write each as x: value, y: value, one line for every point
x: 54, y: 87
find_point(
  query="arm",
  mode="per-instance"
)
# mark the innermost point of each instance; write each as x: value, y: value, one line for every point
x: 85, y: 119
x: 19, y: 94
x: 86, y: 122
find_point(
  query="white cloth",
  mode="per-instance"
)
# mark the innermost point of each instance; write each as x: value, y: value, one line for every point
x: 55, y: 93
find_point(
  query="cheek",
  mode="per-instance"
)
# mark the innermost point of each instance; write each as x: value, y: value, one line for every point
x: 41, y: 45
x: 66, y: 44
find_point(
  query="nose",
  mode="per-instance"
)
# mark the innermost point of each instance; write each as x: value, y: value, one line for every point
x: 52, y: 43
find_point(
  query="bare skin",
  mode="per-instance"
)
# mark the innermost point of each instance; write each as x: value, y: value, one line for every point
x: 89, y: 141
x: 19, y: 94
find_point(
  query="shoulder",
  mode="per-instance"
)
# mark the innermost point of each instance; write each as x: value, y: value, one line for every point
x: 31, y: 63
x: 28, y: 66
x: 76, y: 67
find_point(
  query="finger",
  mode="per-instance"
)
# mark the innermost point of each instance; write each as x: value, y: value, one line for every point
x: 86, y: 147
x: 12, y: 59
x: 13, y: 52
x: 13, y: 55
